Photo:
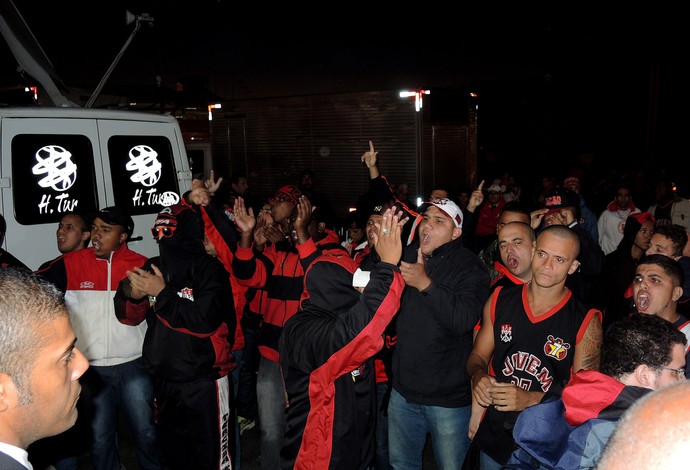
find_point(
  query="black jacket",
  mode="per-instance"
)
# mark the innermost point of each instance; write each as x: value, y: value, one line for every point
x: 191, y: 323
x: 434, y: 327
x: 326, y: 356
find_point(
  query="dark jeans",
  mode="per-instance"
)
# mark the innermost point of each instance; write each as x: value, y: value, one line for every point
x: 246, y: 388
x: 125, y: 388
x: 382, y: 427
x: 196, y: 423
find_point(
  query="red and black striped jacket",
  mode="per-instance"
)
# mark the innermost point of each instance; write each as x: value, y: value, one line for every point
x: 277, y: 274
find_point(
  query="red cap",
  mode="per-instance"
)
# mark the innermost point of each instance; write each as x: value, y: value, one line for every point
x: 287, y: 193
x: 643, y: 217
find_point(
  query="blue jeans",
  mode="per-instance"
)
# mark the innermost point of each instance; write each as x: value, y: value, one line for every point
x: 128, y: 388
x: 270, y: 393
x: 409, y: 424
x: 487, y: 463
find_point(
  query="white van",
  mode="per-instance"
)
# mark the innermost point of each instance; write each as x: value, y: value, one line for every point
x: 55, y: 160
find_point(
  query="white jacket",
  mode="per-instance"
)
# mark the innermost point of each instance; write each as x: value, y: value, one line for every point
x: 610, y: 225
x: 90, y: 284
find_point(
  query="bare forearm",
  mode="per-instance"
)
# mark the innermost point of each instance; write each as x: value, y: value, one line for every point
x: 475, y: 364
x: 246, y: 239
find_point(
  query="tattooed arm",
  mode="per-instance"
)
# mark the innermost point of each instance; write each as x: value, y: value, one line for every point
x: 588, y: 350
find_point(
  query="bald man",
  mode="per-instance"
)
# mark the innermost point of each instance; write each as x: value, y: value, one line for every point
x: 654, y: 433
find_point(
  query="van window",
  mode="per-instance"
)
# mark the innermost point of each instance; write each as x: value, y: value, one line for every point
x: 143, y: 173
x: 51, y: 175
x: 196, y: 162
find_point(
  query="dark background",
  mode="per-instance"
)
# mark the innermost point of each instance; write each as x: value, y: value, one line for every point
x: 586, y: 90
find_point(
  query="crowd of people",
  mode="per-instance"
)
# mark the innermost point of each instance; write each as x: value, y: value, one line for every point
x: 513, y: 333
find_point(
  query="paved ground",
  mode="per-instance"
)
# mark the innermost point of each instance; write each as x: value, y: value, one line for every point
x: 250, y: 453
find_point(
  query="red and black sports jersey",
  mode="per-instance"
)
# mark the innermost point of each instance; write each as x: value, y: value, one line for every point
x: 534, y: 352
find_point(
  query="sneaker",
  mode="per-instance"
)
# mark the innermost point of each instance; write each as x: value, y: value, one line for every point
x: 245, y: 424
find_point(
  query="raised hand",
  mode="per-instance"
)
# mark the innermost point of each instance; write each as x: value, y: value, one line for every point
x: 265, y: 216
x: 476, y: 198
x: 268, y: 233
x: 199, y: 195
x: 304, y: 213
x: 377, y: 226
x: 388, y: 241
x: 244, y: 218
x: 202, y: 191
x: 415, y: 273
x: 369, y: 158
x: 212, y: 184
x: 536, y: 216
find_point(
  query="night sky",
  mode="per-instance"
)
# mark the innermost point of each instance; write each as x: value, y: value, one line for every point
x: 551, y: 83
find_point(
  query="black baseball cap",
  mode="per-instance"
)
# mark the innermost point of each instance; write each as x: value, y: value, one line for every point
x: 116, y: 216
x: 560, y: 197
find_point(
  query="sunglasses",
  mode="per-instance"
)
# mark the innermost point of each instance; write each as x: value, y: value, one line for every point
x: 162, y: 232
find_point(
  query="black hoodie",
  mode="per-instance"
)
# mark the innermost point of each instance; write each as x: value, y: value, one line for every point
x: 192, y: 321
x: 326, y: 356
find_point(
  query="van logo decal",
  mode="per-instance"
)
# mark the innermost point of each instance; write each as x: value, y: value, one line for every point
x: 56, y: 163
x: 169, y: 198
x: 143, y: 160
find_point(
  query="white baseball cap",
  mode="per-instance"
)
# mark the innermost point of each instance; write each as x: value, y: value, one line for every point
x: 446, y: 206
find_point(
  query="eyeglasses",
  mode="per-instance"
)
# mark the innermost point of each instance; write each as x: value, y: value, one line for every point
x: 679, y: 372
x: 162, y: 232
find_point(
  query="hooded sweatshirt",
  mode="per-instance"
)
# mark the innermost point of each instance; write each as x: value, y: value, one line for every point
x: 191, y: 322
x: 326, y: 357
x: 570, y: 432
x: 611, y: 225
